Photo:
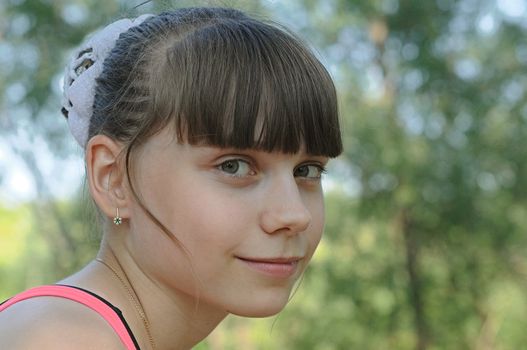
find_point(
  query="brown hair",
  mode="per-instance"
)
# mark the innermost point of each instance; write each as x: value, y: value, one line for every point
x: 220, y: 78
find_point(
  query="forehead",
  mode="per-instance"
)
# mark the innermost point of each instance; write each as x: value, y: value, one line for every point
x: 167, y: 141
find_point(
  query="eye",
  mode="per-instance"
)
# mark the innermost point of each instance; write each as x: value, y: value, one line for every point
x: 236, y: 168
x: 310, y: 171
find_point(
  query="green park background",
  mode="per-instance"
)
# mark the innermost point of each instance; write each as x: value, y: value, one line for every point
x: 425, y: 245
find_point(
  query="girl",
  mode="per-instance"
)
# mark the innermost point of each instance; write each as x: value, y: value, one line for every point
x: 206, y: 133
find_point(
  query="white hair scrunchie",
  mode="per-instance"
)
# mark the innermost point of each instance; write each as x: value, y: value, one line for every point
x: 83, y: 69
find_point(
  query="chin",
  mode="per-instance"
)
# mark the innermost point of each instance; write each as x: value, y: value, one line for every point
x: 257, y: 313
x: 260, y: 308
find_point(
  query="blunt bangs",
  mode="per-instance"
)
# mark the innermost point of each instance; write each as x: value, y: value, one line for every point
x: 246, y: 85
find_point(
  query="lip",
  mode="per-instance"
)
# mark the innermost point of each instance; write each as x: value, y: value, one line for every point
x: 274, y: 267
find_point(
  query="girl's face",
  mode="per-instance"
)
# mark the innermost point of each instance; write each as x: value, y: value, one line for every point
x: 248, y: 222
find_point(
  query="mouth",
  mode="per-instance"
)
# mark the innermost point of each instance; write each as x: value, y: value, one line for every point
x: 283, y: 267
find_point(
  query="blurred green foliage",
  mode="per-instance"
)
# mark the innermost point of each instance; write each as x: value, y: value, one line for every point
x: 425, y: 244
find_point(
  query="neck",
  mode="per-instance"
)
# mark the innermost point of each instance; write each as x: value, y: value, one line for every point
x: 175, y: 320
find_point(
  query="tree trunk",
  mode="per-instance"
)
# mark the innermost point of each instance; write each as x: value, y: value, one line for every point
x: 411, y: 245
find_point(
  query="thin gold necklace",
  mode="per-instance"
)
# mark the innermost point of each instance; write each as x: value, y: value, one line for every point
x: 133, y: 298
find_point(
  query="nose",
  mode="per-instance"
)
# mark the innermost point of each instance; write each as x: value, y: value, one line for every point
x: 284, y: 209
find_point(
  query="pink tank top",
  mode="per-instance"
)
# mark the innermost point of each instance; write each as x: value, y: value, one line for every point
x: 110, y: 313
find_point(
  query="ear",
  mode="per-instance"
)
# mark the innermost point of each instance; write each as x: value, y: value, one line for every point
x: 107, y: 175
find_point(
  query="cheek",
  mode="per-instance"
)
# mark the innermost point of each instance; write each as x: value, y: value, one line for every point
x: 314, y: 202
x: 319, y: 212
x: 205, y: 219
x: 316, y: 208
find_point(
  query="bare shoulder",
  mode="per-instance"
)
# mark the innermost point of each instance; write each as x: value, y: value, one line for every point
x: 54, y: 323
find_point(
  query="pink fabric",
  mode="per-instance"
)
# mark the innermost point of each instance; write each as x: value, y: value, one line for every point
x: 81, y: 297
